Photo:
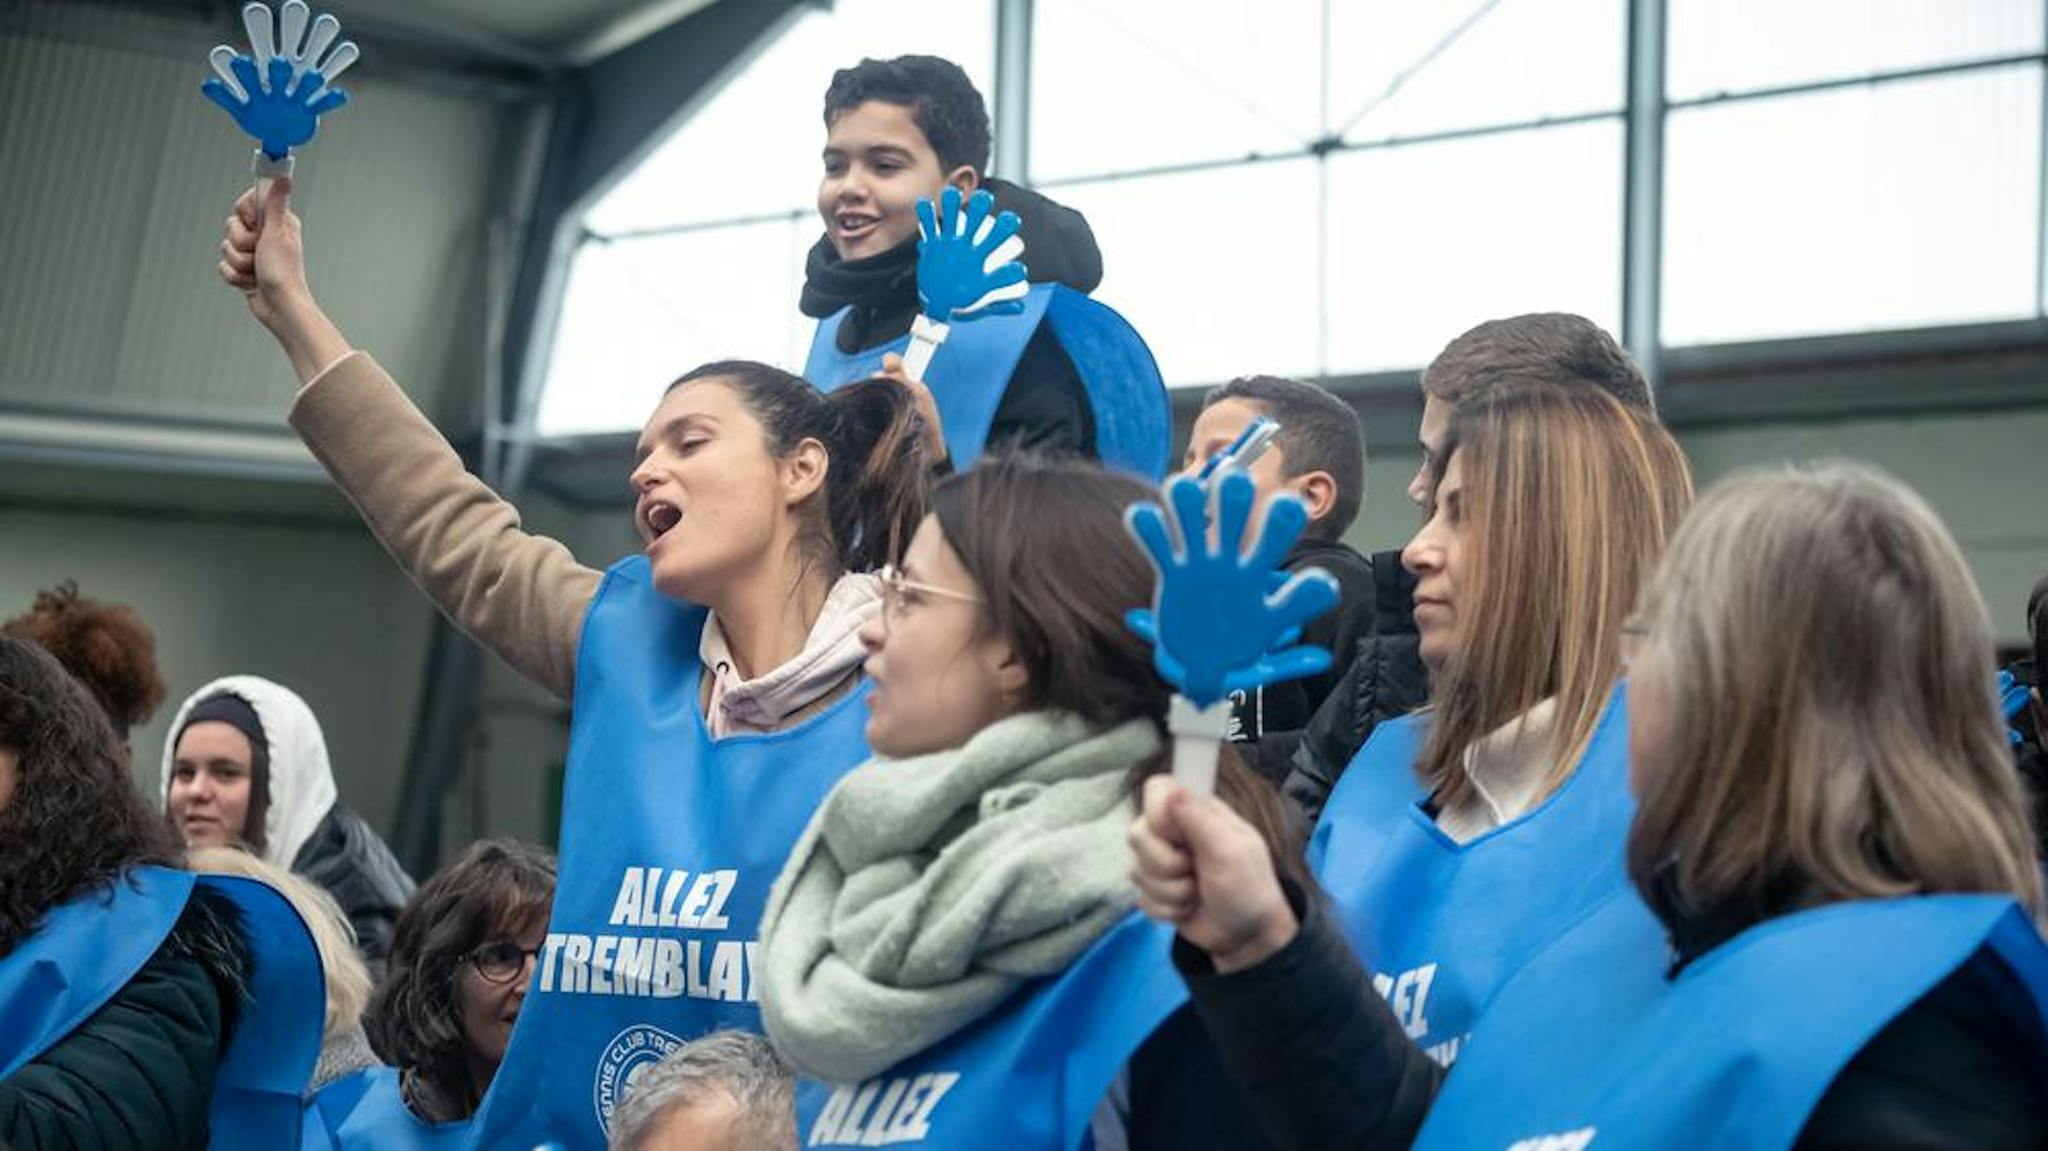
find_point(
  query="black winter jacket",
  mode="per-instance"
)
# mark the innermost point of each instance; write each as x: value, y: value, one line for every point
x: 346, y: 857
x: 138, y: 1074
x: 1385, y: 680
x: 1268, y: 723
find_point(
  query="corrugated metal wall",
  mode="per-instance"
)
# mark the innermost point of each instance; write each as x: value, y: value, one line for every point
x: 116, y: 177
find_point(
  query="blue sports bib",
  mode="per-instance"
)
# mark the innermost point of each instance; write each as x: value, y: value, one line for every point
x: 1443, y: 924
x: 1028, y: 1076
x: 670, y: 842
x: 1591, y: 1046
x: 366, y: 1111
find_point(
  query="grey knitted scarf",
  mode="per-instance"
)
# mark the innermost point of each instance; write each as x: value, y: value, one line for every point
x: 926, y: 890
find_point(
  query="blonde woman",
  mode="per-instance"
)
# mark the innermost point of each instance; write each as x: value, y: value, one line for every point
x: 1831, y: 937
x: 343, y: 1046
x: 1465, y: 837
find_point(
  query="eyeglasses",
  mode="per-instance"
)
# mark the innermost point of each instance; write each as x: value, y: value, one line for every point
x: 900, y: 593
x: 501, y: 962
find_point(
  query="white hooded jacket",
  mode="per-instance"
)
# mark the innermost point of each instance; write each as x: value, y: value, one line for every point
x: 301, y: 785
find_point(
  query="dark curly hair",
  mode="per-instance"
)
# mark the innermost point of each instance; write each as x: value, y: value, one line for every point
x: 105, y: 645
x: 943, y: 103
x: 496, y: 888
x: 76, y: 820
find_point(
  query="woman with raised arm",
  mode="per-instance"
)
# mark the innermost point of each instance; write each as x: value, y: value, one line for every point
x: 716, y: 677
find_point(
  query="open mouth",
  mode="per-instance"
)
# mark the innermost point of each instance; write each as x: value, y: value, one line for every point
x: 853, y: 226
x: 659, y: 517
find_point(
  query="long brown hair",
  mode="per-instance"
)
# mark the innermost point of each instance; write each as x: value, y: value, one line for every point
x: 1044, y: 539
x: 1828, y: 729
x: 1569, y: 496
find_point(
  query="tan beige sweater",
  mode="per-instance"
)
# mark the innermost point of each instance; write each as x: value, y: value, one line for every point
x: 521, y: 595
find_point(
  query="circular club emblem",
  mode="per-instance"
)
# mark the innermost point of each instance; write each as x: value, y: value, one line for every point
x: 630, y: 1052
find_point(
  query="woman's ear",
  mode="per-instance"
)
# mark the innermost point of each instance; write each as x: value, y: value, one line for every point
x: 803, y: 471
x: 1006, y: 667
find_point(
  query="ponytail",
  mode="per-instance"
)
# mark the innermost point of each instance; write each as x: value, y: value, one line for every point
x: 874, y: 505
x: 876, y: 483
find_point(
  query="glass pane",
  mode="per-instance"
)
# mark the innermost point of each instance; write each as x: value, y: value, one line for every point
x: 1491, y: 63
x: 1119, y: 85
x: 1217, y: 269
x: 753, y: 147
x: 1900, y: 205
x: 639, y: 313
x: 1426, y: 241
x: 1734, y: 45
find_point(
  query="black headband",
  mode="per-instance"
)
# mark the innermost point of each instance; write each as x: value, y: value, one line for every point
x: 232, y: 710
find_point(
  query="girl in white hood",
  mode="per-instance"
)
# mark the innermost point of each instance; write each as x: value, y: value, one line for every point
x: 246, y: 763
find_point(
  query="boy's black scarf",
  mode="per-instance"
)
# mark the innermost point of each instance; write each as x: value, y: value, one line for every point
x: 881, y: 289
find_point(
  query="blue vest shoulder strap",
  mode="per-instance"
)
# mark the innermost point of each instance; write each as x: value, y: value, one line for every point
x: 972, y: 371
x: 259, y: 1088
x: 1383, y: 776
x: 83, y: 954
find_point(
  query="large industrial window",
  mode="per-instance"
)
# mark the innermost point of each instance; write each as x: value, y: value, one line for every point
x: 1329, y: 189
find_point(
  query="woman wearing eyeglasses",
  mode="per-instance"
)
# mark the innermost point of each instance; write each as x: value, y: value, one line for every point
x: 461, y: 963
x: 953, y: 952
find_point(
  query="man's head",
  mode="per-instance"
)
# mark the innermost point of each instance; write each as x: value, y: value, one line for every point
x: 1507, y: 355
x: 1319, y: 454
x: 727, y: 1091
x: 896, y: 131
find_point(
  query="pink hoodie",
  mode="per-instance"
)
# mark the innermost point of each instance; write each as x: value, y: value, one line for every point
x: 831, y: 652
